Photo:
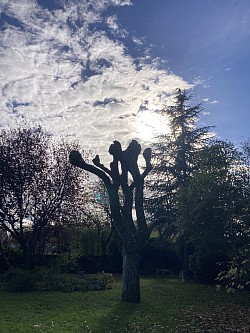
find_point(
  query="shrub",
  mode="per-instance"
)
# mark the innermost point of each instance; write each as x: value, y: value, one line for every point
x: 19, y: 280
x: 64, y: 283
x: 49, y: 280
x: 236, y: 273
x: 106, y: 280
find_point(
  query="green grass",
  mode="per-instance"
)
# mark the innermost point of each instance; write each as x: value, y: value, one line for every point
x: 167, y: 306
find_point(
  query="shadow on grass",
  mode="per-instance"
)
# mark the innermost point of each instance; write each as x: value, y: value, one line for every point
x: 153, y: 314
x: 166, y: 304
x: 120, y: 318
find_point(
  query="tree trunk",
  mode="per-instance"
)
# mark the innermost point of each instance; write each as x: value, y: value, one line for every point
x: 130, y: 276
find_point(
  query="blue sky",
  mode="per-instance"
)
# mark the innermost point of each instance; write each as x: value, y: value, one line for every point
x: 207, y: 41
x: 96, y: 70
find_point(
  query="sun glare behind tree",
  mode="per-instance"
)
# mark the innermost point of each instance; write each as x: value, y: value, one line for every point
x: 151, y: 124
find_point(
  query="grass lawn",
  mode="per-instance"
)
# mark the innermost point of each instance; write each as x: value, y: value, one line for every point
x: 167, y: 306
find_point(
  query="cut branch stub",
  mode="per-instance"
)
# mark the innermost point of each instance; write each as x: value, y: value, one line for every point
x: 98, y: 163
x: 147, y: 154
x: 115, y: 149
x: 130, y: 158
x: 96, y: 160
x: 76, y: 159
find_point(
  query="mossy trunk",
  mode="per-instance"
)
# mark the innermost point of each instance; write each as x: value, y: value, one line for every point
x: 130, y: 276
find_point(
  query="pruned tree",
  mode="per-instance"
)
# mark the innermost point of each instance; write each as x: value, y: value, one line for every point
x: 37, y: 186
x: 124, y: 183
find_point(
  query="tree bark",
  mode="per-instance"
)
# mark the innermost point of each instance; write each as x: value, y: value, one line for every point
x: 130, y: 276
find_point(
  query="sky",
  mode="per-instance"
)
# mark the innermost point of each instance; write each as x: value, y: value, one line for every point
x: 97, y: 70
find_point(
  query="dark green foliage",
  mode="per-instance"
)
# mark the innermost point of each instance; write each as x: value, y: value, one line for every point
x: 42, y: 279
x: 158, y: 252
x: 61, y: 282
x: 173, y: 157
x: 19, y: 280
x: 174, y: 166
x: 235, y: 273
x: 199, y: 192
x: 184, y: 140
x: 10, y: 258
x: 106, y: 280
x: 51, y: 280
x: 204, y: 265
x: 93, y: 264
x: 210, y: 209
x: 90, y: 242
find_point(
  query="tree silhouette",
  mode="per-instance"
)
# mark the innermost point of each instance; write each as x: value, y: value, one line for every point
x: 124, y: 183
x: 174, y: 163
x: 37, y: 186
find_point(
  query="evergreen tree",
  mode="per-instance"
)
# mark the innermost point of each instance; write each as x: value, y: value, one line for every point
x: 209, y: 209
x: 174, y: 155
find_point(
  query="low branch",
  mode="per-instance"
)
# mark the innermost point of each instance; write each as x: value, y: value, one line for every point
x: 98, y: 163
x: 129, y: 159
x: 76, y: 159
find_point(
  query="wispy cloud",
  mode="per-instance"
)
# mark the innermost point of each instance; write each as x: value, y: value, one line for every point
x: 207, y: 100
x: 69, y: 69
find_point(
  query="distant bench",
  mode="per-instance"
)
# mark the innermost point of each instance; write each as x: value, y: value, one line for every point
x: 164, y: 271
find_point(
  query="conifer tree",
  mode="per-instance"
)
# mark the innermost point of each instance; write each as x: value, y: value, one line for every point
x: 174, y: 155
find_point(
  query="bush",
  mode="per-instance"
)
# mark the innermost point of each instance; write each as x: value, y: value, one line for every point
x: 236, y: 272
x: 105, y: 280
x: 64, y: 283
x: 19, y: 280
x: 47, y: 280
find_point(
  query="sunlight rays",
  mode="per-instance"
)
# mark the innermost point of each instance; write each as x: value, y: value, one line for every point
x: 151, y: 124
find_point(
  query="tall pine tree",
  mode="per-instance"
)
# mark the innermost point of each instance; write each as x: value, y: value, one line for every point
x: 173, y: 157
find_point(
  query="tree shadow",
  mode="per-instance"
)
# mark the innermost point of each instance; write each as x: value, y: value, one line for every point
x: 119, y: 318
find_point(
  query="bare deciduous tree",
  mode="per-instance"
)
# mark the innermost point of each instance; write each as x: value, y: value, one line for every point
x: 37, y: 186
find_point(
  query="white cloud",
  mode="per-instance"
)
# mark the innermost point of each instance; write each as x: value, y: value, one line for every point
x: 137, y: 40
x: 207, y: 100
x: 59, y: 71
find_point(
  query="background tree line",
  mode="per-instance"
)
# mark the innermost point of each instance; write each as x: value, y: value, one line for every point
x: 197, y: 196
